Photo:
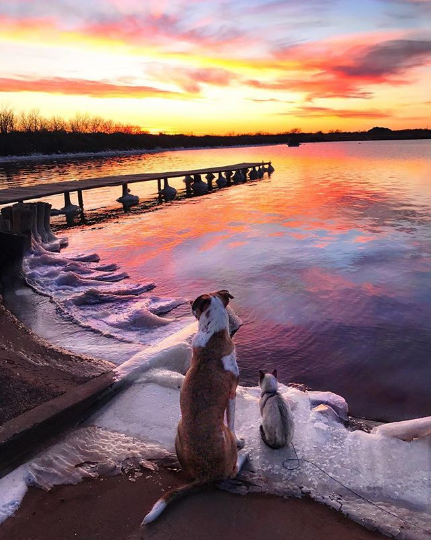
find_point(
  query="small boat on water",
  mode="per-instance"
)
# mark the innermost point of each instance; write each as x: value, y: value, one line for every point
x: 293, y: 142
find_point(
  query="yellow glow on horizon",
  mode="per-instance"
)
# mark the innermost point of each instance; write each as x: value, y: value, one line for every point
x: 254, y: 98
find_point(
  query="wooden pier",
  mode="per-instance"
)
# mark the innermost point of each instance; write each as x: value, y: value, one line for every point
x: 194, y: 185
x: 26, y: 193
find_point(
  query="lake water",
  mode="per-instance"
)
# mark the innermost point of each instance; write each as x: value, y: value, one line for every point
x: 329, y: 261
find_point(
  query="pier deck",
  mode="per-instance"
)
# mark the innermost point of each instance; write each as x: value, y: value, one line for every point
x: 26, y: 193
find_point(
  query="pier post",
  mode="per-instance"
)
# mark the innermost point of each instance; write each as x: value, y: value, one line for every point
x: 41, y: 221
x: 69, y: 210
x: 168, y: 193
x: 221, y: 180
x: 159, y: 189
x: 4, y: 224
x: 36, y: 237
x: 22, y: 216
x: 127, y: 199
x: 67, y: 203
x: 228, y: 175
x: 210, y: 177
x: 6, y: 213
x: 12, y: 250
x: 81, y: 205
x: 188, y: 180
x: 238, y: 177
x: 199, y: 186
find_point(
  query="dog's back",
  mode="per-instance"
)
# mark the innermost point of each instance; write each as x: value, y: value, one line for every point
x: 203, y: 440
x: 205, y: 446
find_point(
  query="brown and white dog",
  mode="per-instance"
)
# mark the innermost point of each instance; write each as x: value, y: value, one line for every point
x: 205, y: 446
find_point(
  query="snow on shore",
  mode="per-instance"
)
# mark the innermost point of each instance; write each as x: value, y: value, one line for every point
x: 141, y: 423
x: 113, y: 153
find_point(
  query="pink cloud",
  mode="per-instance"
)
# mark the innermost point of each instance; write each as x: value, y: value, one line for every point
x: 191, y: 79
x: 325, y: 112
x: 167, y: 31
x: 337, y: 69
x: 100, y: 89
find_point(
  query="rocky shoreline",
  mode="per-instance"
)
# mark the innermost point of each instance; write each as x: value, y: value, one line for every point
x: 33, y: 371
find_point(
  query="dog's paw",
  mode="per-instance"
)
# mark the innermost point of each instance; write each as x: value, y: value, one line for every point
x: 240, y: 443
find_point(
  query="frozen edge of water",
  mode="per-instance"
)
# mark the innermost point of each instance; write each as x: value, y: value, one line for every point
x: 113, y: 153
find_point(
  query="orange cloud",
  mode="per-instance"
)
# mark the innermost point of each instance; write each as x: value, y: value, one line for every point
x: 321, y: 85
x: 100, y: 89
x: 190, y: 79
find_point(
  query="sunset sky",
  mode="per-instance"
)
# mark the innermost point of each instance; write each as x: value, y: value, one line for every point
x: 228, y: 66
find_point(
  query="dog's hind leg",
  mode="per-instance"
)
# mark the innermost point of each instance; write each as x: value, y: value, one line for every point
x: 240, y: 460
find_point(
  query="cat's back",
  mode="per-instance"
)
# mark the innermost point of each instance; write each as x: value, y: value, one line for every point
x: 277, y: 420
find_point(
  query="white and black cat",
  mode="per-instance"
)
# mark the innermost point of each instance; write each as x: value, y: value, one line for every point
x: 277, y: 421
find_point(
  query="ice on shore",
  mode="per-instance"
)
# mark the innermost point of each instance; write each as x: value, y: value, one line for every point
x: 406, y: 430
x: 13, y: 487
x: 337, y: 403
x: 85, y: 292
x: 390, y: 478
x: 390, y: 473
x: 88, y: 452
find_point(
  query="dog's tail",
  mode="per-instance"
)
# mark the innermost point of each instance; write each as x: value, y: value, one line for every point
x: 173, y: 495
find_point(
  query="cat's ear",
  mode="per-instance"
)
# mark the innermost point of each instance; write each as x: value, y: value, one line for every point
x: 275, y: 373
x: 261, y: 375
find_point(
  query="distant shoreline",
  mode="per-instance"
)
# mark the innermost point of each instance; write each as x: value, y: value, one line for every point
x: 38, y: 146
x: 113, y: 153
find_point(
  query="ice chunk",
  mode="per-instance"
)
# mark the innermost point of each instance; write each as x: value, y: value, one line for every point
x: 86, y: 453
x: 173, y: 353
x: 406, y: 430
x: 146, y: 411
x: 336, y: 402
x: 163, y: 377
x: 12, y: 490
x: 326, y: 413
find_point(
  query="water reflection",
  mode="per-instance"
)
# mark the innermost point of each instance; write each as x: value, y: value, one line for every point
x: 329, y: 261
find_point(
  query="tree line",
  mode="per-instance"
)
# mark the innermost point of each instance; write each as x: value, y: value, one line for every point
x: 29, y: 133
x: 34, y: 122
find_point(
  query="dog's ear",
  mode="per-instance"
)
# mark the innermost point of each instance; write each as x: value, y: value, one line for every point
x: 261, y: 375
x: 201, y: 304
x: 274, y: 373
x: 225, y: 296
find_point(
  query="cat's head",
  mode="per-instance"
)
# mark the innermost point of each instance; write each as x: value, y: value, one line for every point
x: 268, y: 381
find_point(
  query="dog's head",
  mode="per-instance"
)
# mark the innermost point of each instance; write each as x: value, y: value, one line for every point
x: 203, y: 302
